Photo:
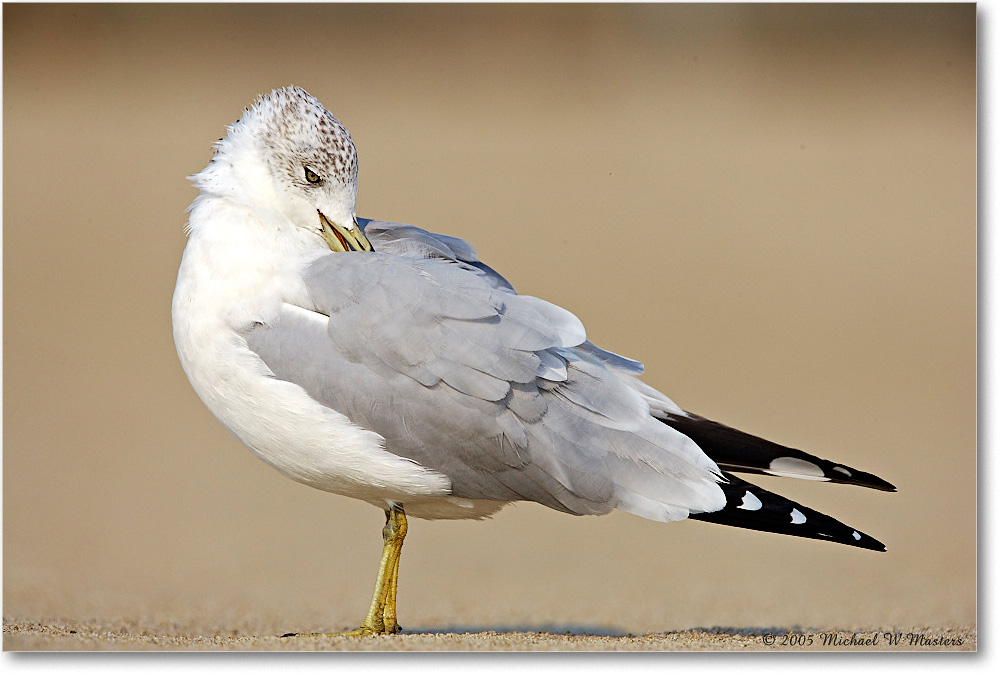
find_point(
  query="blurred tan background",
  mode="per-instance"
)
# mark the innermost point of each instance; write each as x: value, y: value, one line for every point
x: 774, y: 207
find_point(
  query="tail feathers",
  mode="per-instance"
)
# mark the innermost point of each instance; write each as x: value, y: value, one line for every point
x: 752, y: 508
x: 735, y: 450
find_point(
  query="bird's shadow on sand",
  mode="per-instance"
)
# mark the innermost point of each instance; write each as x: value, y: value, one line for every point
x: 554, y: 629
x: 597, y: 631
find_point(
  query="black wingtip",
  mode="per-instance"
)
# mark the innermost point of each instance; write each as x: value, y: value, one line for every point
x: 870, y: 543
x: 889, y: 487
x: 735, y: 450
x: 868, y: 480
x: 750, y: 507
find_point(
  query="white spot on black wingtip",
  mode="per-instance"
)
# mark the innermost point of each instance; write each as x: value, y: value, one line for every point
x: 824, y: 534
x: 842, y: 470
x: 857, y: 537
x: 798, y: 517
x: 793, y: 467
x: 750, y: 502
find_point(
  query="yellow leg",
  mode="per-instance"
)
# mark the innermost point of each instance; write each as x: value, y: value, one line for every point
x: 381, y: 619
x: 389, y: 609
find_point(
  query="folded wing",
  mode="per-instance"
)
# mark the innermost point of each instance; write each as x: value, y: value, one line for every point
x: 462, y: 375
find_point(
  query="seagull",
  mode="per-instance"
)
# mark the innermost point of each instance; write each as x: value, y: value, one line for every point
x: 386, y: 363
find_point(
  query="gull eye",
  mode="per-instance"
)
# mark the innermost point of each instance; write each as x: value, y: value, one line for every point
x: 312, y: 176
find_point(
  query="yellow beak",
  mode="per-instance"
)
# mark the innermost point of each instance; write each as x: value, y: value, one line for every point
x: 341, y: 239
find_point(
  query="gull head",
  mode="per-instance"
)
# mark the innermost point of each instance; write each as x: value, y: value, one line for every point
x: 288, y: 157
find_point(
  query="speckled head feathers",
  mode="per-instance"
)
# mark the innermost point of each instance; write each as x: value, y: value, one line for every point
x: 289, y: 152
x: 290, y: 128
x: 296, y: 127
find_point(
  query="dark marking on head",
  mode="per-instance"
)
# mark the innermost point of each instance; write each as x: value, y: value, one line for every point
x: 298, y: 130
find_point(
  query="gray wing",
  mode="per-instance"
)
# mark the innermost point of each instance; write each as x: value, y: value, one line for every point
x: 410, y: 241
x: 488, y: 387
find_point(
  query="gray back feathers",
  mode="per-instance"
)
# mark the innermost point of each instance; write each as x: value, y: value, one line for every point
x: 498, y: 391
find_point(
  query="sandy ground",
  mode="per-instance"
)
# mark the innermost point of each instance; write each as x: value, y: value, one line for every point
x: 773, y: 207
x: 28, y: 636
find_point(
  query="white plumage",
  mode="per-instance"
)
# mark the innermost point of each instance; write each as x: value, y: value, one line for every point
x: 257, y: 270
x: 414, y: 377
